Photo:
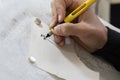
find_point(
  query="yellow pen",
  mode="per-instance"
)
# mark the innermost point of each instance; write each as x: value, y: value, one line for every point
x: 78, y: 11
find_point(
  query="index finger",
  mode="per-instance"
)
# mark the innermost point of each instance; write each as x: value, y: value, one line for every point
x: 58, y: 11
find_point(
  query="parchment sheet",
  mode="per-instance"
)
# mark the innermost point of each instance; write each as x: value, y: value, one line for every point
x: 62, y: 62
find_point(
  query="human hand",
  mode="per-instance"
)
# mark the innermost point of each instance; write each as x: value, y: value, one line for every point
x: 89, y: 32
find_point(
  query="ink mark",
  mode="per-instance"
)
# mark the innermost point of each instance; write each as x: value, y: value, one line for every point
x: 44, y: 37
x: 51, y: 41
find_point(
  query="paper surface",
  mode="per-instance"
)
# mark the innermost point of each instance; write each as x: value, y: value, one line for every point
x: 61, y: 62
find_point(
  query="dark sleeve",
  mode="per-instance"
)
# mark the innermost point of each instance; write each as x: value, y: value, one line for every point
x: 111, y: 51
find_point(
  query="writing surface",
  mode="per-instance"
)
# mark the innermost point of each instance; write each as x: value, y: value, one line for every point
x: 60, y: 61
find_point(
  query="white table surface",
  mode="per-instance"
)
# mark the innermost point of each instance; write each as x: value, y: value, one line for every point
x: 14, y: 42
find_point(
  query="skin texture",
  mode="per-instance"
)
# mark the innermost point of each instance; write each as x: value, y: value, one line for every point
x: 87, y: 30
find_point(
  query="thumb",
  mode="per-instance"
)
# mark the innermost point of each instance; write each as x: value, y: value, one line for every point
x: 66, y: 29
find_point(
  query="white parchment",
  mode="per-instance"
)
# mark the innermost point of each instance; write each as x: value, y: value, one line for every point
x: 62, y: 62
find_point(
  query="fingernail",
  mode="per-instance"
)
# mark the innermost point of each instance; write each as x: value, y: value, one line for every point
x: 57, y: 30
x: 59, y: 18
x: 51, y: 24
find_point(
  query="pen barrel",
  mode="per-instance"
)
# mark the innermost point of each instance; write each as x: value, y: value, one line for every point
x: 90, y: 1
x: 52, y: 29
x: 82, y: 8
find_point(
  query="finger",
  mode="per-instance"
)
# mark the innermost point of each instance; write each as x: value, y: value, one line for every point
x: 54, y: 22
x: 54, y: 14
x: 61, y: 9
x: 62, y: 43
x: 67, y: 29
x: 58, y: 9
x: 61, y: 13
x: 59, y: 40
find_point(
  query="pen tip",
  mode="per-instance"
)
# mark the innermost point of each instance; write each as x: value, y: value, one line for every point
x: 48, y: 35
